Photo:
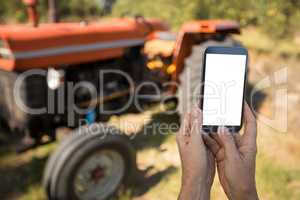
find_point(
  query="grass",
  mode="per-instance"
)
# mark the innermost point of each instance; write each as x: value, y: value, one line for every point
x: 159, y: 162
x: 255, y: 39
x: 276, y: 181
x: 21, y: 175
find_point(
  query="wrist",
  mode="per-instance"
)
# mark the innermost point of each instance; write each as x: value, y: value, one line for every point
x: 249, y: 194
x: 194, y: 189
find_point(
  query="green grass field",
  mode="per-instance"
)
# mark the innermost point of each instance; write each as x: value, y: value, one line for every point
x: 278, y: 160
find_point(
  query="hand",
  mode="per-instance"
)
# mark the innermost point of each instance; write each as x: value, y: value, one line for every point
x: 235, y: 156
x: 198, y: 165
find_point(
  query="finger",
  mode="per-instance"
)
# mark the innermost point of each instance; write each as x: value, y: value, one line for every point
x: 196, y: 131
x: 183, y: 135
x: 211, y: 144
x: 238, y: 139
x: 250, y: 133
x: 185, y: 125
x: 196, y: 121
x: 227, y: 141
x: 249, y: 116
x: 216, y: 137
x: 198, y: 113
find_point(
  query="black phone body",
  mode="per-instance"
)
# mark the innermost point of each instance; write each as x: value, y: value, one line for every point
x: 224, y: 75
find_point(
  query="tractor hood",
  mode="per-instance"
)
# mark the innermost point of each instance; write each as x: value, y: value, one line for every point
x: 24, y: 47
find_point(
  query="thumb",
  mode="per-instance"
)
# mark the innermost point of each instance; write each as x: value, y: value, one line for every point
x: 228, y: 142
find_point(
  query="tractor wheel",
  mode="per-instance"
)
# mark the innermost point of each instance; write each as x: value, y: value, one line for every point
x: 91, y: 165
x: 52, y: 162
x: 188, y: 92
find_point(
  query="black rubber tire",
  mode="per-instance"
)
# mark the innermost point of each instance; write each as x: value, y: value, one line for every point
x: 58, y: 179
x: 188, y: 92
x: 52, y: 162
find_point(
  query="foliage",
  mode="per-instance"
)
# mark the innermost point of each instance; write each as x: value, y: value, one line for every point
x: 9, y: 8
x: 15, y: 9
x: 278, y: 18
x: 83, y: 8
x: 175, y: 12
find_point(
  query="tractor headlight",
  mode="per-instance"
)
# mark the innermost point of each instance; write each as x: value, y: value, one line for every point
x: 54, y: 78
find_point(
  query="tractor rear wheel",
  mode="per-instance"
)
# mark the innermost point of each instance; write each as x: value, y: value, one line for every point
x: 188, y: 92
x: 92, y: 165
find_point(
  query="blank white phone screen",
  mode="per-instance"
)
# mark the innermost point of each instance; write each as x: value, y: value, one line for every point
x: 223, y: 89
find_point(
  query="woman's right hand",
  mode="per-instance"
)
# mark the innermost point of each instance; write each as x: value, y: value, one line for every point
x: 235, y: 156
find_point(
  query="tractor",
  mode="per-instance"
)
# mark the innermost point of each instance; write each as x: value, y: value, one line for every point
x: 59, y: 74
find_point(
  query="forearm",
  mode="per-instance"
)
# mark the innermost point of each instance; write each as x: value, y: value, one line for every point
x: 252, y: 196
x: 194, y: 190
x: 246, y: 195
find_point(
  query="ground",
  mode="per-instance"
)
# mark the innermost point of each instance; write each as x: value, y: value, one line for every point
x: 278, y: 160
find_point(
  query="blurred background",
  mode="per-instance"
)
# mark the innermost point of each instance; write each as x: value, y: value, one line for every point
x: 271, y: 32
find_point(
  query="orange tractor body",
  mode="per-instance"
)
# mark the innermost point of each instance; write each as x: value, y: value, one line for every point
x: 24, y: 47
x: 27, y: 47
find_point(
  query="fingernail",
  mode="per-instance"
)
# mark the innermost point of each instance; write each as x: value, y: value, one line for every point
x: 226, y: 130
x: 204, y: 133
x: 223, y: 130
x: 220, y: 129
x: 196, y: 111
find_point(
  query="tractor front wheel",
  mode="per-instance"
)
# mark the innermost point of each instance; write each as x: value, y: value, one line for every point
x: 93, y: 165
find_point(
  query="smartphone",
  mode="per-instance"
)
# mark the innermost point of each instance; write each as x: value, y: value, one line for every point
x: 223, y: 87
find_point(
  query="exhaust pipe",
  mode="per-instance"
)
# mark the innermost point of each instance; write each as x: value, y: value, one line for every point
x: 33, y: 17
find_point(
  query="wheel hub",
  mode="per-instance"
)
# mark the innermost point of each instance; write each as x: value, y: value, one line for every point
x: 99, y: 175
x: 96, y: 174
